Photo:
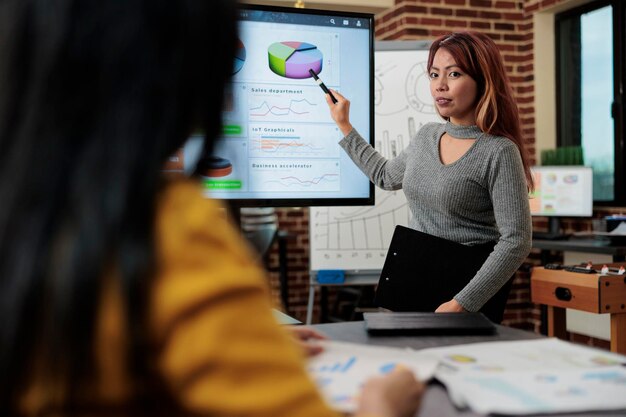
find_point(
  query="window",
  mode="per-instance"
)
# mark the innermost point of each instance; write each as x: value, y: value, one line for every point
x: 590, y: 92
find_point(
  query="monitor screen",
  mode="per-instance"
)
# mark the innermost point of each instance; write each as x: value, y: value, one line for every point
x: 279, y: 145
x: 562, y: 191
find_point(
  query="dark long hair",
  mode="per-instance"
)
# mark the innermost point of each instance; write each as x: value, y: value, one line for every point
x: 496, y: 111
x: 94, y: 96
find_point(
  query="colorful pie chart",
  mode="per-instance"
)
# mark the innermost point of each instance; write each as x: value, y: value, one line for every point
x: 240, y: 57
x: 292, y: 59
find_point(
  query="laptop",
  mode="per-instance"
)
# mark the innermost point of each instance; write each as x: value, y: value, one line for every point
x: 420, y: 323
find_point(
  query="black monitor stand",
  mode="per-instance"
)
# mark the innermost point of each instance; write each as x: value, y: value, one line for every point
x: 554, y: 230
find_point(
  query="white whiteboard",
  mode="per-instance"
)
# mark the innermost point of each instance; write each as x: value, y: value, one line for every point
x: 357, y: 238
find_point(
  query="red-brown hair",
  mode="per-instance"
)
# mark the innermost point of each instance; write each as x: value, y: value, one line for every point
x: 496, y: 111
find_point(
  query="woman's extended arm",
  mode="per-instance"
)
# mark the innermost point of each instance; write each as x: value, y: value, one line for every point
x: 387, y: 174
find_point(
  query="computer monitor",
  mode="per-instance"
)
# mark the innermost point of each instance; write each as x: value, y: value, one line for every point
x: 562, y: 191
x: 279, y: 145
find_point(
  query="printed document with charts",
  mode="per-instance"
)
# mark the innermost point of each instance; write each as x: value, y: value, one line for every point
x: 342, y: 368
x: 531, y: 377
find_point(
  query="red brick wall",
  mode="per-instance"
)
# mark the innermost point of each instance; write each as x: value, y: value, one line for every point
x: 510, y: 24
x: 506, y: 22
x: 296, y: 222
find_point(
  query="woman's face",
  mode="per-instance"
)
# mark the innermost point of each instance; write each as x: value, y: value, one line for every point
x: 453, y: 90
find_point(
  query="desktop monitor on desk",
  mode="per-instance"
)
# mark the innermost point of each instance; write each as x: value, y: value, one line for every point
x: 561, y: 191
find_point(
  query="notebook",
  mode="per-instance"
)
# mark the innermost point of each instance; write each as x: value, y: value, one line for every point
x: 422, y: 271
x: 428, y: 323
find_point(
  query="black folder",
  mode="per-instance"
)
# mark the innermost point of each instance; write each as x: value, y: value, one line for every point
x: 427, y: 324
x: 422, y: 271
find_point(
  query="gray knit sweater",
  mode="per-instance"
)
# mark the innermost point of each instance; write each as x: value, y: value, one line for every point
x: 481, y: 197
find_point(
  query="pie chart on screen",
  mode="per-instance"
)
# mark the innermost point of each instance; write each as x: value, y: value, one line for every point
x: 240, y: 57
x: 293, y: 59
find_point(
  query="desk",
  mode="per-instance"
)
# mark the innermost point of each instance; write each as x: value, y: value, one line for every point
x: 581, y: 245
x: 436, y: 402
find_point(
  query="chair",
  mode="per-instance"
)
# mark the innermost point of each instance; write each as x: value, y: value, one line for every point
x: 259, y: 226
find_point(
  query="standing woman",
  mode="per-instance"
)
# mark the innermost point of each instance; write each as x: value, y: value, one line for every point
x: 465, y: 180
x: 122, y: 294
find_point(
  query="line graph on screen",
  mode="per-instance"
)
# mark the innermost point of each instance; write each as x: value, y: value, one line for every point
x: 296, y: 175
x: 272, y: 140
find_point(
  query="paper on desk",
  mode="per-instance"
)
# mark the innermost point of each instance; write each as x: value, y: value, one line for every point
x: 620, y: 230
x: 539, y: 354
x: 342, y: 368
x: 533, y: 392
x: 531, y: 376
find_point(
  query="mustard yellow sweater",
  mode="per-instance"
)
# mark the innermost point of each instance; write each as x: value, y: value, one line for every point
x: 220, y: 349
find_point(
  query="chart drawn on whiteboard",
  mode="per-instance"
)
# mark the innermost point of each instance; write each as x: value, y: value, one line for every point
x: 417, y: 87
x: 357, y: 238
x: 366, y: 228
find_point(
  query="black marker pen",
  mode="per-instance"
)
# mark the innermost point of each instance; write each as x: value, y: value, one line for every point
x: 322, y: 85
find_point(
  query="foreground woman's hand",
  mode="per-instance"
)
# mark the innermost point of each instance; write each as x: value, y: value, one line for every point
x: 307, y: 338
x: 397, y: 394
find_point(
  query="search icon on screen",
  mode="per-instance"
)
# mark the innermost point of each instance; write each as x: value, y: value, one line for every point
x: 332, y: 21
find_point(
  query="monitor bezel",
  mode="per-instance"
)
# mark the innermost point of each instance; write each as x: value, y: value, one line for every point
x: 315, y: 202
